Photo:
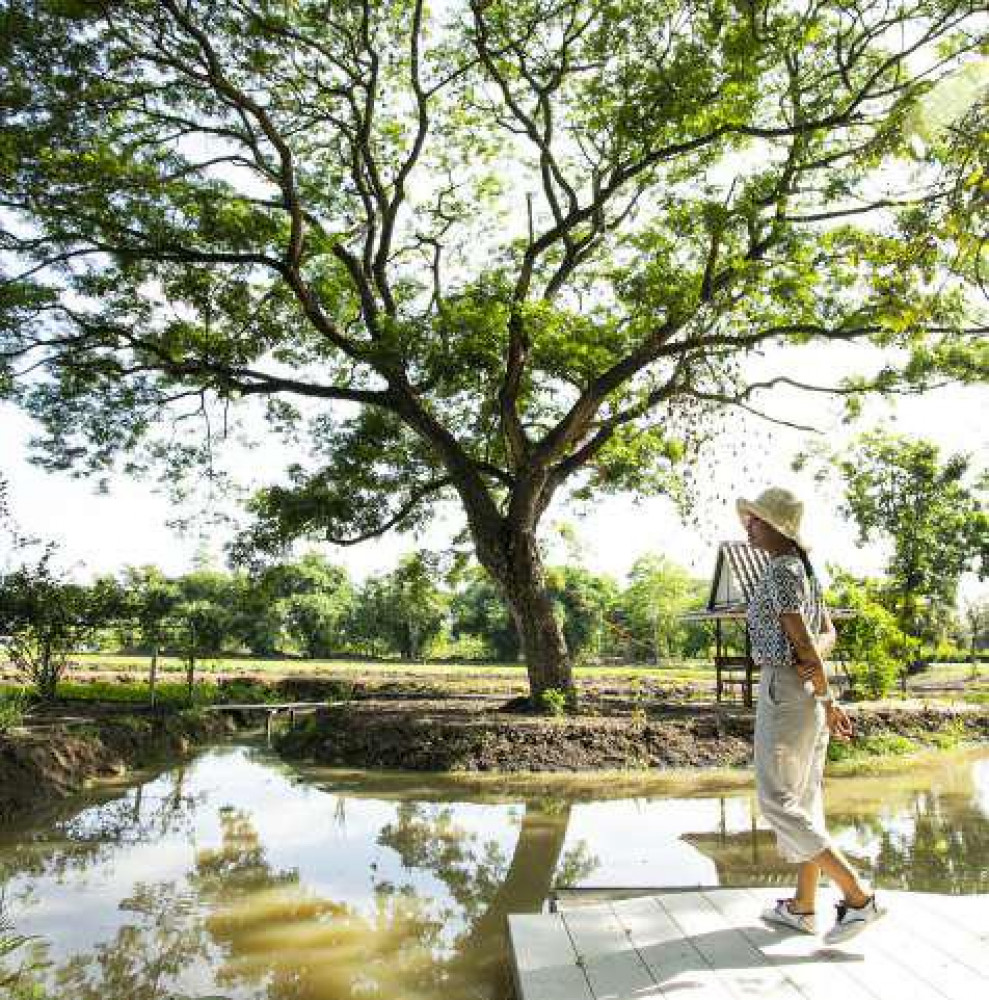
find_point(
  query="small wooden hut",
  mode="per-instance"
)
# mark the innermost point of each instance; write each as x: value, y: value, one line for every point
x: 736, y: 575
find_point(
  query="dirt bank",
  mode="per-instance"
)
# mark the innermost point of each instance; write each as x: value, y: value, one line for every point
x: 58, y: 757
x: 453, y: 735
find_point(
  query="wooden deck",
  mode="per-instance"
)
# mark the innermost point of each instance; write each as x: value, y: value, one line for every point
x: 710, y: 944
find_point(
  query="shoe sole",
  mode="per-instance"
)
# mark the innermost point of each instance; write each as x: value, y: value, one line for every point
x: 775, y: 922
x: 853, y: 930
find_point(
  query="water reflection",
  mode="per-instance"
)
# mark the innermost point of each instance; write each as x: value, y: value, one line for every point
x: 239, y: 877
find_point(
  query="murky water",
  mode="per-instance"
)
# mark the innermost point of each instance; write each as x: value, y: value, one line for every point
x: 239, y: 877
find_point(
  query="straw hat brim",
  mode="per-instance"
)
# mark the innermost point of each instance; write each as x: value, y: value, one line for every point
x: 744, y: 507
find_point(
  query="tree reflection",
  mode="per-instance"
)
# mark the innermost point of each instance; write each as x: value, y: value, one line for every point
x: 161, y: 940
x: 296, y: 945
x: 936, y: 843
x: 279, y: 936
x: 75, y: 840
x: 905, y: 831
x: 485, y: 887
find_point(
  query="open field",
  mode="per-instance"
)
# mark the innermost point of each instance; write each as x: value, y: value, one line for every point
x: 680, y: 680
x: 129, y: 663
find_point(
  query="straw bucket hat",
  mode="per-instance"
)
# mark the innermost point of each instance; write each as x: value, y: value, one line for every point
x: 778, y: 507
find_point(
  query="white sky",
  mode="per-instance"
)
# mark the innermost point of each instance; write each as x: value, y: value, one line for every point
x: 103, y: 533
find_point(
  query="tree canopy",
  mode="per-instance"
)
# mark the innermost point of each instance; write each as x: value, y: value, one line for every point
x: 479, y: 251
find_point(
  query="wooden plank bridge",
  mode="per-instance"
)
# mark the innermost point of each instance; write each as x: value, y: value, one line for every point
x: 292, y: 708
x: 710, y: 944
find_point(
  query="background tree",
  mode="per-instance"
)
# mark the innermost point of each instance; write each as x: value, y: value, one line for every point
x: 477, y: 608
x: 976, y: 620
x: 307, y: 601
x: 150, y: 599
x: 659, y: 592
x: 583, y: 601
x: 415, y: 607
x: 934, y: 513
x: 316, y: 623
x: 207, y: 608
x: 482, y: 252
x: 44, y: 616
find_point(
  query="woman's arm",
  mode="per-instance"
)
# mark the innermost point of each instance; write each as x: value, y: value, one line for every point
x: 809, y: 662
x: 810, y: 666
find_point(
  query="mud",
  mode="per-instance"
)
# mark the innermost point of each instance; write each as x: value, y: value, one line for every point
x: 453, y: 735
x: 56, y: 758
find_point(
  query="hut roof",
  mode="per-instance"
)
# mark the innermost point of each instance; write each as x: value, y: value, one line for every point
x: 736, y: 574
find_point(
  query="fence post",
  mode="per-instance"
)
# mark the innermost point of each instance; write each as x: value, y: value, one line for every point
x: 153, y: 675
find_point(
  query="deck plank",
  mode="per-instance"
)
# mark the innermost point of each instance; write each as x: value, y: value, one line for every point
x: 819, y: 972
x: 738, y: 964
x: 611, y: 963
x: 928, y: 929
x: 880, y: 965
x: 927, y: 964
x: 875, y: 966
x: 675, y: 964
x: 544, y: 962
x: 959, y: 925
x: 709, y: 944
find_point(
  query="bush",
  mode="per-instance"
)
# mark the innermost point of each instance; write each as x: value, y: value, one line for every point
x: 872, y: 678
x: 553, y: 701
x: 13, y: 708
x: 880, y: 745
x: 873, y: 648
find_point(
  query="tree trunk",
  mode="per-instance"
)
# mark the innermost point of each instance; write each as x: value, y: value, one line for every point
x: 525, y: 887
x: 48, y: 677
x: 517, y: 568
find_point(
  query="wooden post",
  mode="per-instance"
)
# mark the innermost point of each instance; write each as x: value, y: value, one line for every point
x: 717, y: 658
x: 655, y: 635
x: 153, y: 674
x: 191, y: 669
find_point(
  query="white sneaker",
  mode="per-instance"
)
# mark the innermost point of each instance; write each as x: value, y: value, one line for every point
x: 853, y: 920
x: 782, y: 915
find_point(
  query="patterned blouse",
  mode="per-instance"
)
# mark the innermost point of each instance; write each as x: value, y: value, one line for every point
x: 784, y: 586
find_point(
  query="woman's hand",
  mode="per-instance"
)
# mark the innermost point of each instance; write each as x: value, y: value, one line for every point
x: 838, y: 721
x: 813, y: 671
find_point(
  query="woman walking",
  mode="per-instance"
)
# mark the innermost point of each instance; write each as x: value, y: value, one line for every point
x: 791, y: 633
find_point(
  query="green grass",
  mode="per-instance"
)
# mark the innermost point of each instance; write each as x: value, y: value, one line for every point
x: 475, y: 677
x: 687, y: 669
x: 880, y: 745
x: 169, y: 694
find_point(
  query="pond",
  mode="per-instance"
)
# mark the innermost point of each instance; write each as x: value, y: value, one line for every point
x: 238, y: 876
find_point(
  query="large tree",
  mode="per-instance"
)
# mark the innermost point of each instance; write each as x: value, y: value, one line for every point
x: 489, y: 249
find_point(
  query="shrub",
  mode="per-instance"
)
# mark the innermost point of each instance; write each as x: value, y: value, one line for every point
x: 553, y: 701
x: 873, y: 677
x: 873, y: 648
x: 880, y: 745
x: 13, y: 708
